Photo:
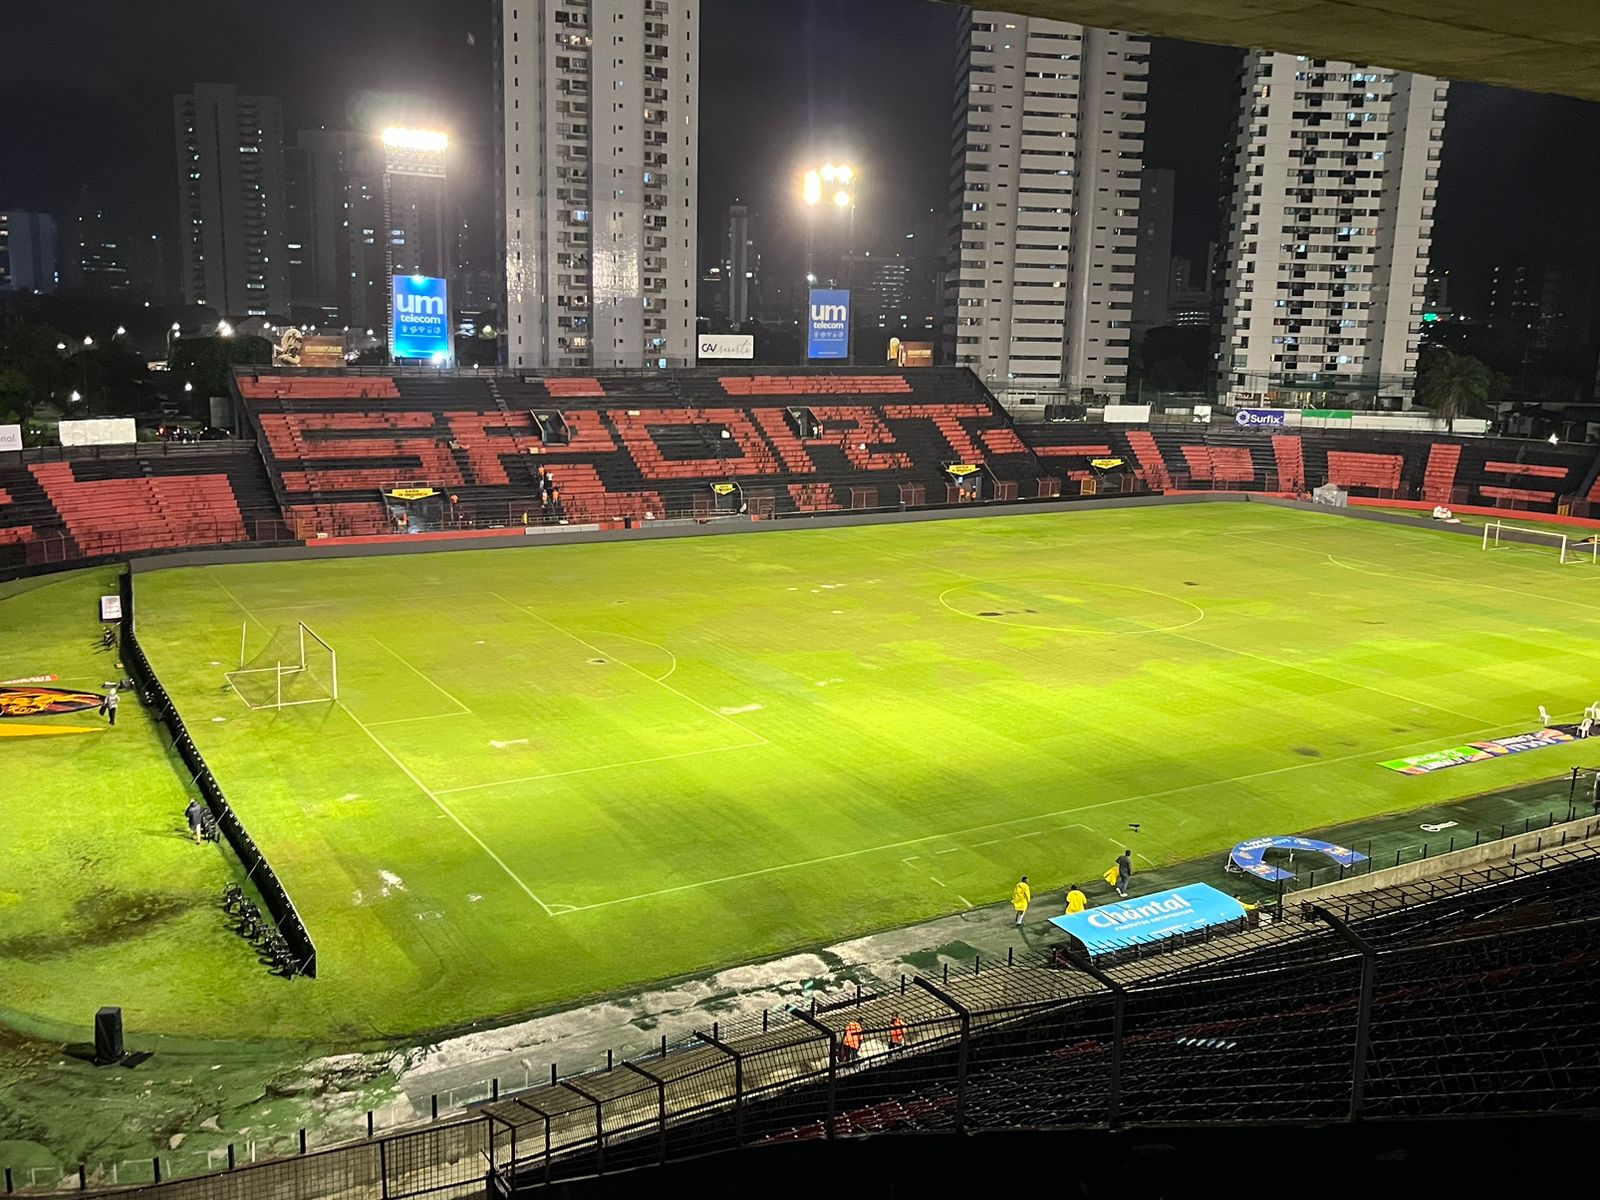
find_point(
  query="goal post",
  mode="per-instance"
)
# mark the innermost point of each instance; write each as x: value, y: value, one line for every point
x: 1497, y: 535
x: 296, y: 666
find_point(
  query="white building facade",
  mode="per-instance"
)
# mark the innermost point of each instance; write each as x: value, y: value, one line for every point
x: 1336, y: 171
x: 1044, y: 189
x: 598, y: 102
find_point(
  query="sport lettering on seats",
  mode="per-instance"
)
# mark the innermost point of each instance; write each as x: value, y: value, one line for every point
x: 863, y: 434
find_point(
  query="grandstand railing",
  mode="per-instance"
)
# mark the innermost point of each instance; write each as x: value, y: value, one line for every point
x: 1411, y: 1001
x: 258, y: 871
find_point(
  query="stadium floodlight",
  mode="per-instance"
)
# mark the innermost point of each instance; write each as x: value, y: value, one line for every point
x: 88, y: 341
x: 224, y: 329
x: 841, y: 199
x: 416, y: 139
x: 188, y: 387
x: 121, y: 332
x: 76, y: 396
x: 811, y: 188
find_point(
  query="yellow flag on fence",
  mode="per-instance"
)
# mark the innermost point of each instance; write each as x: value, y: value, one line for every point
x: 1111, y: 875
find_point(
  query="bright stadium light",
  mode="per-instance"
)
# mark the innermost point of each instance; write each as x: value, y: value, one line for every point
x: 121, y: 332
x: 841, y: 199
x: 224, y: 329
x: 188, y: 387
x: 76, y: 396
x: 812, y: 189
x: 416, y: 139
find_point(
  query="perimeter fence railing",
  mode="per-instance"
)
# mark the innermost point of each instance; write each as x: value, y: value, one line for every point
x: 258, y: 871
x: 1536, y: 831
x: 1415, y: 1000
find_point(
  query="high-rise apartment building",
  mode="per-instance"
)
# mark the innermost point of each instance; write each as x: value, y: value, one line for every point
x: 741, y: 265
x: 1335, y: 171
x: 95, y: 259
x: 420, y: 234
x: 232, y: 201
x: 335, y: 248
x: 28, y: 252
x: 1152, y: 271
x: 1044, y: 191
x: 599, y: 112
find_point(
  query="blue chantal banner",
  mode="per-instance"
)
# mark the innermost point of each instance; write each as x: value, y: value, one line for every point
x: 420, y: 319
x: 828, y: 324
x: 1150, y: 918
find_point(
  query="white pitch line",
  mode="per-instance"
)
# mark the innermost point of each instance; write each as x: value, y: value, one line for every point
x: 421, y: 675
x: 705, y: 708
x: 616, y: 766
x: 445, y: 809
x: 425, y: 717
x: 406, y: 771
x: 1375, y: 754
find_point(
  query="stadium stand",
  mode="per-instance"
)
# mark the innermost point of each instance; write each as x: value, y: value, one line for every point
x: 623, y: 446
x: 1497, y: 472
x: 626, y: 447
x: 67, y: 504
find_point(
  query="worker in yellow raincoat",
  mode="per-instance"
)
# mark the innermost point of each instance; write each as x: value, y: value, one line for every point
x: 1021, y: 897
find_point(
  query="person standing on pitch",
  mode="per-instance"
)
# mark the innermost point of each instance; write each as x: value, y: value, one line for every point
x: 1124, y: 872
x: 1076, y: 900
x: 111, y: 705
x: 1021, y: 897
x: 196, y: 818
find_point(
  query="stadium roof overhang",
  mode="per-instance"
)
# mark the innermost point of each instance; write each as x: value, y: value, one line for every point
x: 1535, y: 45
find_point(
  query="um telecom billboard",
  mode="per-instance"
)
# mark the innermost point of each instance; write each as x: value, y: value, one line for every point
x: 419, y: 319
x: 828, y: 324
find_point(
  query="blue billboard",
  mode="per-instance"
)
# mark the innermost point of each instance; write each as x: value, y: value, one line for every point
x: 1150, y: 918
x: 828, y: 324
x: 419, y: 319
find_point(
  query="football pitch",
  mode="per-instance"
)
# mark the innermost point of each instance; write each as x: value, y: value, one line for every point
x: 555, y: 772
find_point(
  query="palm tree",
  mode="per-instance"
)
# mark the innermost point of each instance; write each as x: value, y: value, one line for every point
x: 1454, y: 385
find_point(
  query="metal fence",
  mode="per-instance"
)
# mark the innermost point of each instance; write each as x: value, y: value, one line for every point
x: 258, y: 871
x: 1474, y: 993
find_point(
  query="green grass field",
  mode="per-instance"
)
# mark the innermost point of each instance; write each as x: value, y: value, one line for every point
x: 555, y: 772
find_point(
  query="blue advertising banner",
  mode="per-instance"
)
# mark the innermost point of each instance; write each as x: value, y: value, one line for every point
x: 419, y: 319
x: 828, y: 324
x: 1150, y: 918
x: 1260, y: 418
x: 1250, y: 856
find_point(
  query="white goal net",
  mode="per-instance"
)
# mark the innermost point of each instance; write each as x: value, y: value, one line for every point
x: 294, y: 666
x: 1497, y: 535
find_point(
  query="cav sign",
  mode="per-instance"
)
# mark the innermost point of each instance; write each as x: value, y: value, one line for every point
x: 727, y: 345
x: 828, y: 324
x: 1260, y: 418
x: 419, y: 319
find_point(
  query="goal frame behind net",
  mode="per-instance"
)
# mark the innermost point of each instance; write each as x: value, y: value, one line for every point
x: 280, y: 670
x: 1585, y: 550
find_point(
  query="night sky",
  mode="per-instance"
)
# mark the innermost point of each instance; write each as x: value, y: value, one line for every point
x: 86, y: 103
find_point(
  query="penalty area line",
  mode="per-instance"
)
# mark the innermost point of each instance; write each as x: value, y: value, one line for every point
x: 445, y: 809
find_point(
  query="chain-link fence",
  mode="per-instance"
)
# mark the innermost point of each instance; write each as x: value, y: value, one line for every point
x: 1472, y: 993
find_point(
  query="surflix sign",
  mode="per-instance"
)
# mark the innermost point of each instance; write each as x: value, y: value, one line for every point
x: 1260, y: 418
